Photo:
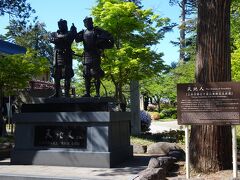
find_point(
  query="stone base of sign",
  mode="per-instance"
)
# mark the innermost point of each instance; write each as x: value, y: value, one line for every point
x: 82, y: 139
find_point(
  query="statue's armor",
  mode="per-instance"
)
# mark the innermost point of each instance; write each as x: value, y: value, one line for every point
x: 62, y: 56
x: 93, y: 40
x: 62, y: 62
x: 92, y: 55
x: 91, y: 51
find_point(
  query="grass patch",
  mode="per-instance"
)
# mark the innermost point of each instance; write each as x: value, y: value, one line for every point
x: 141, y: 141
x: 238, y: 136
x: 171, y: 136
x: 168, y: 136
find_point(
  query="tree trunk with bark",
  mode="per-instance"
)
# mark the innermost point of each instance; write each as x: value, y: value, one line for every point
x: 210, y: 146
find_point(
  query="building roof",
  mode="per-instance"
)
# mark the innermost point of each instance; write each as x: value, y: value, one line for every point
x: 10, y: 48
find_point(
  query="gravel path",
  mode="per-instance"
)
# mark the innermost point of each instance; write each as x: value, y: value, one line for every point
x: 157, y: 126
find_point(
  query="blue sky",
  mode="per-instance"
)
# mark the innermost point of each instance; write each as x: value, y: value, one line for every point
x: 74, y: 11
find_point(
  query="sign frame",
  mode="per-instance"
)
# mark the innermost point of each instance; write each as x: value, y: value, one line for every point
x: 216, y: 103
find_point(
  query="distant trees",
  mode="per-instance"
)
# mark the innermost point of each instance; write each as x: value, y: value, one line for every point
x: 32, y: 35
x: 24, y: 31
x: 15, y: 72
x: 186, y: 26
x: 18, y: 8
x: 164, y: 86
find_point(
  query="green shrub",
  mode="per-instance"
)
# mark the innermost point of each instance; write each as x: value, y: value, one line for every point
x: 161, y: 115
x: 174, y: 116
x: 169, y: 113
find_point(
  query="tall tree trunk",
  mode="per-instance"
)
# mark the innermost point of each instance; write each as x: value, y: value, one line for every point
x: 159, y: 103
x: 183, y: 32
x: 210, y: 146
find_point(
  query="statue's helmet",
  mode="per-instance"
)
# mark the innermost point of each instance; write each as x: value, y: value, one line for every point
x: 88, y: 23
x: 62, y: 24
x: 87, y: 19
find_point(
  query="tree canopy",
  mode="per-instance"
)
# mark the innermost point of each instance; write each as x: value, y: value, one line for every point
x: 32, y: 36
x: 187, y: 28
x: 135, y: 30
x: 17, y: 8
x: 235, y: 39
x: 17, y: 70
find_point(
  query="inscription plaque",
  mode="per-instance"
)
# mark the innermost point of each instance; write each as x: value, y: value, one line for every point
x: 215, y: 103
x: 69, y: 136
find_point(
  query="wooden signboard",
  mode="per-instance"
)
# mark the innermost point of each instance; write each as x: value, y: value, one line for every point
x: 215, y: 103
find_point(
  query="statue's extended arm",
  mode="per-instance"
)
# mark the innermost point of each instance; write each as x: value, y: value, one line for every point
x: 56, y: 38
x: 79, y: 36
x: 104, y: 38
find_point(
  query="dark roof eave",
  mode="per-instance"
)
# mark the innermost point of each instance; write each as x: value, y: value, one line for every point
x: 10, y: 48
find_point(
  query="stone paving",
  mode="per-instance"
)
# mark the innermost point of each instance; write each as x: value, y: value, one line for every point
x: 157, y: 126
x: 125, y: 171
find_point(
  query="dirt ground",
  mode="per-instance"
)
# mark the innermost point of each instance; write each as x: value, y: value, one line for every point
x: 221, y: 175
x: 180, y: 174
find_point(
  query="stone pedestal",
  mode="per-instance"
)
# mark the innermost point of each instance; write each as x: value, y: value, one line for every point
x: 98, y: 138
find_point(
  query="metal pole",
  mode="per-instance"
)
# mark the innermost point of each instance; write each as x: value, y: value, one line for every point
x: 187, y: 152
x: 234, y: 151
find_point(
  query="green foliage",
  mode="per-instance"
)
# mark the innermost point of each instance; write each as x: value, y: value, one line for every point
x: 135, y: 30
x: 137, y: 2
x: 17, y: 70
x: 183, y: 73
x: 238, y: 136
x: 107, y: 88
x: 235, y: 39
x: 140, y: 140
x: 168, y: 113
x: 32, y: 36
x: 147, y: 139
x: 6, y: 139
x: 165, y: 86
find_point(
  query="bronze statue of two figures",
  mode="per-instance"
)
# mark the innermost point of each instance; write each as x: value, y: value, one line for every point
x: 94, y: 39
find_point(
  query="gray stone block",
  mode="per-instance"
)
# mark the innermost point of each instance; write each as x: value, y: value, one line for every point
x: 139, y: 149
x: 162, y: 148
x: 178, y: 154
x: 107, y: 139
x: 166, y: 162
x: 152, y: 174
x: 153, y: 163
